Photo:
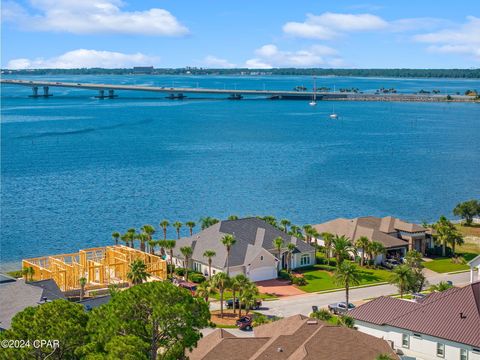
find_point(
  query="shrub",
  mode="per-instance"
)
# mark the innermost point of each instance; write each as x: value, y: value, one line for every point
x: 180, y: 271
x: 459, y: 260
x: 322, y: 314
x: 196, y: 278
x: 260, y: 319
x: 15, y: 274
x: 326, y: 267
x: 283, y: 274
x: 347, y: 321
x: 299, y: 281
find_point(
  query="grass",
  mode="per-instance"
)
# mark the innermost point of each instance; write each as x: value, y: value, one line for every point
x: 228, y: 295
x: 320, y: 278
x: 445, y: 264
x: 473, y: 230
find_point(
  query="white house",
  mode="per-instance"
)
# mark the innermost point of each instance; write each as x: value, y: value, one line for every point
x: 443, y: 325
x: 253, y: 254
x: 474, y: 264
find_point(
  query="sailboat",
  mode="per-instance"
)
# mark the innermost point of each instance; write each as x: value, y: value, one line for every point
x: 333, y: 115
x: 314, y: 100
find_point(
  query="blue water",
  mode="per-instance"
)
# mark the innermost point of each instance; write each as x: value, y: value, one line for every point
x: 75, y: 168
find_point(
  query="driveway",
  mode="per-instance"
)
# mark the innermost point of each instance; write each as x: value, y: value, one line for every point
x: 278, y: 288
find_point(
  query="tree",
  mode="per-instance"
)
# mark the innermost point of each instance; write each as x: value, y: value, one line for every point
x: 233, y: 217
x: 221, y: 281
x: 249, y: 296
x: 61, y: 320
x: 241, y: 282
x: 306, y: 232
x: 177, y: 225
x: 83, y: 283
x: 414, y: 260
x: 346, y: 275
x: 376, y: 248
x: 314, y: 235
x: 445, y: 231
x: 385, y: 356
x: 187, y: 252
x: 152, y: 244
x: 402, y: 277
x: 441, y: 286
x: 278, y: 244
x: 209, y: 254
x: 138, y: 272
x: 128, y: 347
x: 208, y: 221
x: 285, y: 224
x: 327, y: 242
x: 166, y: 318
x: 28, y: 272
x: 342, y: 247
x: 190, y: 225
x: 362, y: 243
x: 116, y: 236
x: 228, y: 241
x: 164, y: 224
x: 205, y: 289
x: 456, y: 238
x: 148, y: 230
x: 467, y: 210
x: 290, y: 249
x: 270, y: 220
x: 142, y: 237
x: 170, y: 245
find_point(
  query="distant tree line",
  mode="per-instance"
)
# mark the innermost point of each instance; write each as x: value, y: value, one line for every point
x: 395, y: 73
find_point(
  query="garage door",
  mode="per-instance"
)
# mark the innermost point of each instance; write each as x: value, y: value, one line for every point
x: 263, y: 273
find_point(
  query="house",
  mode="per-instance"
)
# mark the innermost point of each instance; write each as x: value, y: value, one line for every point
x: 397, y: 236
x: 441, y: 325
x: 296, y: 338
x: 474, y: 264
x: 17, y: 295
x: 253, y: 253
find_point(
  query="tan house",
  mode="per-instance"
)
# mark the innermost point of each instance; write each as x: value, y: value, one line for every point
x: 295, y: 338
x: 397, y: 236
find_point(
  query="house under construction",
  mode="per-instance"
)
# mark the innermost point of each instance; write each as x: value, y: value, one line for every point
x: 101, y: 267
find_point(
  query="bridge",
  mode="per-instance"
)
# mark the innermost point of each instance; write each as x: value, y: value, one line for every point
x: 108, y: 90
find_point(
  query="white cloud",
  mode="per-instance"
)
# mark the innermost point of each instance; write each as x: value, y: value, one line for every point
x: 464, y: 39
x: 270, y: 55
x: 83, y: 58
x: 215, y: 62
x: 92, y: 17
x: 329, y: 25
x: 417, y: 24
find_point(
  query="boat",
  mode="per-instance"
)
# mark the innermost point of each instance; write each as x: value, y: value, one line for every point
x: 333, y: 115
x: 314, y: 100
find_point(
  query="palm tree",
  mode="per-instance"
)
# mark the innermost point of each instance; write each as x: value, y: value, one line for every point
x: 28, y: 272
x: 306, y: 231
x: 290, y: 248
x: 295, y: 231
x: 152, y: 243
x: 270, y: 219
x: 148, y: 230
x: 190, y: 225
x: 327, y: 242
x: 456, y: 238
x: 285, y: 224
x: 228, y: 241
x: 314, y: 235
x: 278, y: 244
x: 138, y: 272
x: 116, y: 236
x: 376, y: 249
x: 346, y: 275
x: 221, y: 281
x: 249, y: 296
x: 131, y: 237
x: 83, y: 282
x: 208, y: 221
x: 164, y: 224
x: 362, y: 243
x: 142, y: 237
x: 177, y: 225
x: 233, y: 217
x: 402, y: 278
x: 342, y: 247
x: 187, y: 252
x: 445, y: 232
x: 209, y: 254
x: 241, y: 282
x: 170, y: 245
x: 441, y: 286
x: 204, y: 290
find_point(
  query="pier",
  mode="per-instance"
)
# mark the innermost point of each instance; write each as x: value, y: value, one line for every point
x: 108, y: 91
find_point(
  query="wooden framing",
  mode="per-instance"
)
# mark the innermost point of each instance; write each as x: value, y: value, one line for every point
x: 101, y: 267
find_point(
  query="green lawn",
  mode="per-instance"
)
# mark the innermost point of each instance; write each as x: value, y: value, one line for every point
x: 445, y: 265
x: 319, y: 279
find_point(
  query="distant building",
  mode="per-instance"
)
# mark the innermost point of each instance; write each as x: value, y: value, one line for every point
x: 441, y: 325
x: 16, y: 295
x: 253, y: 254
x: 143, y: 69
x: 296, y: 338
x: 397, y: 236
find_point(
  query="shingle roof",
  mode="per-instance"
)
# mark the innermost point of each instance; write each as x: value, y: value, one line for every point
x: 95, y: 302
x: 452, y: 315
x: 294, y: 338
x: 248, y: 232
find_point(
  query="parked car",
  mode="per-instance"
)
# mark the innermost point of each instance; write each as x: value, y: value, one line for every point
x: 229, y: 304
x: 245, y: 322
x: 391, y: 263
x: 192, y: 287
x: 340, y: 308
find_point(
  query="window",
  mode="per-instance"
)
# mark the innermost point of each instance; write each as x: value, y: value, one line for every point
x: 305, y: 259
x: 261, y: 257
x: 440, y: 350
x: 463, y: 354
x: 406, y: 341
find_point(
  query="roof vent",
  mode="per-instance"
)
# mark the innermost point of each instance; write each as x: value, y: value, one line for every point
x: 312, y: 322
x: 279, y: 349
x: 462, y: 316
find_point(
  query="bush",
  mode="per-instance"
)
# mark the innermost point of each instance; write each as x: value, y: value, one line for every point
x: 326, y: 267
x: 15, y: 274
x: 283, y: 274
x: 299, y: 281
x: 437, y: 251
x: 196, y: 277
x: 180, y: 271
x: 322, y: 314
x: 347, y: 321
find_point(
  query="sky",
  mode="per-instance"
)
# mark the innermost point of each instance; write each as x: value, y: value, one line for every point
x: 254, y: 34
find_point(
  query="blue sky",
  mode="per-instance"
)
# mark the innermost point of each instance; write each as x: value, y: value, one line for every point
x: 255, y: 34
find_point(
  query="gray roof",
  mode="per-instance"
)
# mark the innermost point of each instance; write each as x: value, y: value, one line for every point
x: 95, y: 302
x: 18, y: 295
x: 251, y: 234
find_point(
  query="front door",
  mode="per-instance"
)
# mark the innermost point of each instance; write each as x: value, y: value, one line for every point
x: 284, y: 260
